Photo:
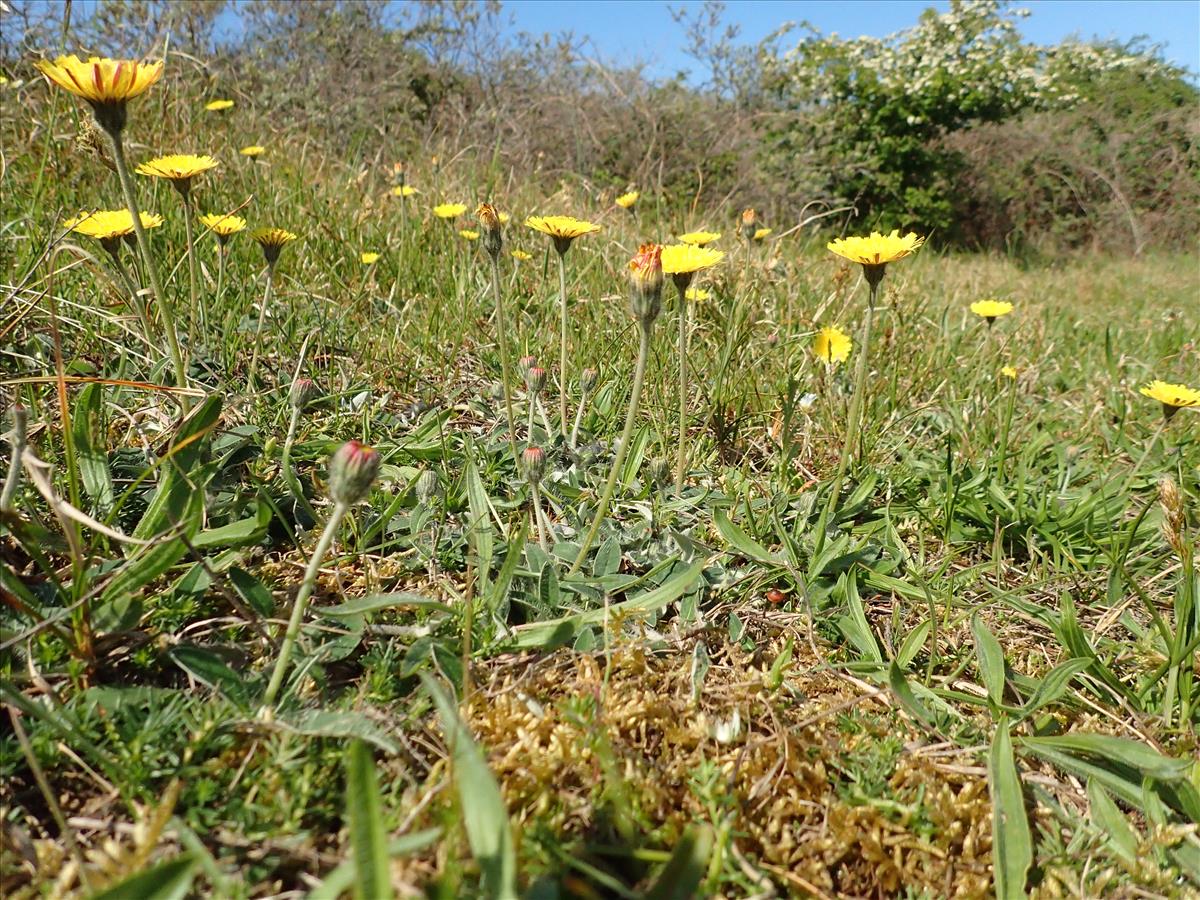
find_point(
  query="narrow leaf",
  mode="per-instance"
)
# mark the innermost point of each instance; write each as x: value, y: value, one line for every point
x: 1012, y: 845
x: 368, y: 835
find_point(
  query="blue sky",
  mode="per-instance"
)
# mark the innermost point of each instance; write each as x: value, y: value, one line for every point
x: 625, y: 30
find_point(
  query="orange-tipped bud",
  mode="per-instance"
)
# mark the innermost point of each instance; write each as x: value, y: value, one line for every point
x: 646, y: 283
x: 535, y: 379
x: 749, y: 223
x: 533, y: 460
x: 490, y: 225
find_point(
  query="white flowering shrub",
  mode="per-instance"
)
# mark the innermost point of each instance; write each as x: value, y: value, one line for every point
x: 873, y: 114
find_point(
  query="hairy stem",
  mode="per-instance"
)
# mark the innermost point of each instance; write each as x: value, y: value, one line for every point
x: 505, y: 374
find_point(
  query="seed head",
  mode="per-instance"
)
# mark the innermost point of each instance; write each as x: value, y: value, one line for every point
x: 1171, y: 501
x: 352, y: 471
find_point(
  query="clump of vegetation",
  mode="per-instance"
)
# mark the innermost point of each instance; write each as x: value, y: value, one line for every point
x: 353, y: 545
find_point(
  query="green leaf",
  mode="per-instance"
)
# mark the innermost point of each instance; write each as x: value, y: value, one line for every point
x: 608, y: 558
x: 480, y: 526
x: 556, y: 632
x: 908, y: 699
x: 1055, y: 683
x: 854, y: 625
x: 912, y: 645
x: 91, y: 452
x: 700, y: 666
x: 253, y: 591
x: 1012, y: 845
x: 991, y: 660
x: 170, y: 880
x: 341, y: 879
x: 177, y: 484
x: 1111, y: 822
x: 236, y: 534
x: 681, y: 876
x: 484, y: 815
x: 334, y: 724
x: 376, y: 602
x: 633, y: 459
x: 210, y: 669
x: 742, y: 542
x: 368, y: 835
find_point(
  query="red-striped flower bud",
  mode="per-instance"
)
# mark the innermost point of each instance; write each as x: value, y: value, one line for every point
x: 533, y: 461
x: 535, y: 379
x: 646, y: 283
x: 352, y: 471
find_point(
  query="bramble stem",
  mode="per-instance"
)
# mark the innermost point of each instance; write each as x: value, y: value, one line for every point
x: 151, y: 269
x: 639, y: 374
x: 306, y: 589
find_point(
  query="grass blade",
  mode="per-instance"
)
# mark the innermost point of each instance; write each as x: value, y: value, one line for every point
x: 368, y: 836
x: 1012, y: 845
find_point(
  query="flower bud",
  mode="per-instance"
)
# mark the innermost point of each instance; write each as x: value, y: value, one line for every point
x: 646, y: 283
x: 749, y: 223
x: 352, y: 471
x: 535, y: 379
x: 489, y: 224
x: 533, y: 461
x: 527, y: 362
x: 304, y: 393
x: 658, y: 470
x: 428, y: 487
x: 587, y: 380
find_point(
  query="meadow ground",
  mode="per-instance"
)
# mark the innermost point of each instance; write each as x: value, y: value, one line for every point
x: 973, y: 671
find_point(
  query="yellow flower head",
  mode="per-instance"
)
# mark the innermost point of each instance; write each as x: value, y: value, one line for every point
x: 991, y: 309
x: 698, y: 295
x: 223, y: 226
x: 1173, y: 397
x: 626, y: 201
x: 699, y: 238
x: 505, y: 218
x: 107, y: 84
x: 468, y: 234
x: 1009, y: 371
x: 253, y: 151
x: 272, y: 240
x: 832, y: 345
x: 109, y: 224
x: 179, y: 168
x: 687, y: 259
x: 404, y: 190
x: 368, y: 258
x: 562, y: 229
x: 218, y: 105
x: 520, y: 255
x: 449, y: 210
x: 762, y: 233
x: 877, y: 249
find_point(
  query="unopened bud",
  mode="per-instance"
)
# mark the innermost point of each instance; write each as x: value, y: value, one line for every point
x: 352, y: 471
x: 535, y: 379
x: 304, y: 393
x: 658, y: 470
x: 489, y: 225
x: 527, y: 362
x: 587, y: 380
x: 749, y: 223
x: 773, y: 339
x: 646, y: 283
x: 428, y: 486
x: 533, y: 461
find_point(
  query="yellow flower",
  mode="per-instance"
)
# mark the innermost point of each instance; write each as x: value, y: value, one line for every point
x: 223, y: 226
x: 626, y: 201
x: 991, y: 309
x: 762, y: 233
x: 368, y: 258
x: 698, y: 294
x: 449, y: 210
x: 109, y: 225
x: 1173, y: 397
x: 876, y: 250
x: 272, y: 240
x: 253, y: 151
x: 562, y: 229
x: 832, y: 345
x: 218, y: 105
x: 686, y: 259
x: 404, y: 190
x: 504, y: 217
x: 469, y: 234
x: 520, y: 255
x: 1009, y: 371
x: 179, y: 169
x: 699, y: 238
x: 107, y: 84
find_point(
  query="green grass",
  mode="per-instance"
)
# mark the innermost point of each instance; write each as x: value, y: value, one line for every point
x: 996, y: 566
